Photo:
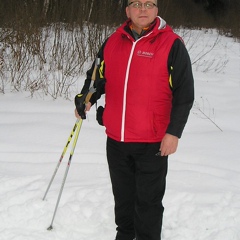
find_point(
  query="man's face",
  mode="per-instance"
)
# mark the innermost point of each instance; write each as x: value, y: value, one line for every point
x: 142, y: 13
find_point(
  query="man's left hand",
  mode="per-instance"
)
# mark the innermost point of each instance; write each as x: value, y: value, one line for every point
x: 168, y: 145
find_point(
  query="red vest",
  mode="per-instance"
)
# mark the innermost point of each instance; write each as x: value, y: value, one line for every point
x: 138, y: 94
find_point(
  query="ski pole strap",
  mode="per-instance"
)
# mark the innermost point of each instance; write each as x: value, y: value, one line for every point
x: 89, y: 95
x: 92, y: 89
x: 82, y: 99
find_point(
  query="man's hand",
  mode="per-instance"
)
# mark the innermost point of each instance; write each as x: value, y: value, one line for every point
x: 87, y: 108
x: 81, y: 105
x: 168, y: 145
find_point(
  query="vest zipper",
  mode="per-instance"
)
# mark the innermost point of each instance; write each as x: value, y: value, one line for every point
x: 125, y: 86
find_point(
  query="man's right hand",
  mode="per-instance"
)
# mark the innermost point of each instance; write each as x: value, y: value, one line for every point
x: 80, y: 101
x: 76, y: 114
x: 87, y: 108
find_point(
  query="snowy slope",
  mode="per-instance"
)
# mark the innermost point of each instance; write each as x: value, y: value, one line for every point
x: 202, y: 200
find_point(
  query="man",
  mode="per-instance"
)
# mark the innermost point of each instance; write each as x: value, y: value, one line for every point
x: 149, y: 93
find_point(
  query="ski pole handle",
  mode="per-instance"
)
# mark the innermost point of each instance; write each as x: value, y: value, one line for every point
x: 80, y: 101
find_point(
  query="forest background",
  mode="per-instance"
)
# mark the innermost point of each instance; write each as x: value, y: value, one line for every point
x: 45, y: 44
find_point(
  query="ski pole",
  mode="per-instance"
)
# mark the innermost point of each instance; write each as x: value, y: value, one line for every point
x: 61, y: 158
x: 79, y: 124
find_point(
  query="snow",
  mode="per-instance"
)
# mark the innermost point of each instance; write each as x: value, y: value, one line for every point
x: 202, y: 200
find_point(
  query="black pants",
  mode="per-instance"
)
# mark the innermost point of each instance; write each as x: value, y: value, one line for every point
x: 138, y: 181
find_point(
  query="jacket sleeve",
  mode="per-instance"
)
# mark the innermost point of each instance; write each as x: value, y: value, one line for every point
x: 88, y: 79
x: 180, y: 70
x: 98, y: 79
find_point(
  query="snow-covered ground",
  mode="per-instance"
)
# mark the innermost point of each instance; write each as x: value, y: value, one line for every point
x: 202, y: 200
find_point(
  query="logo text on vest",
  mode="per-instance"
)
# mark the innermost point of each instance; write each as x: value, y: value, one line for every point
x: 145, y: 54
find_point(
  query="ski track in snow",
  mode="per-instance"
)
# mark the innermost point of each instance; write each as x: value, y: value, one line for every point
x: 202, y: 200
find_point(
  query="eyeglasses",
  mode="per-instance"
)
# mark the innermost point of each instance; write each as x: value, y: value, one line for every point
x: 139, y: 5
